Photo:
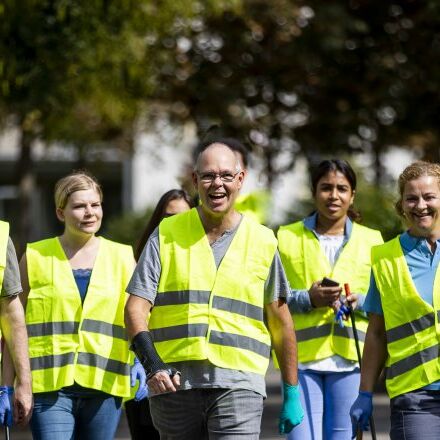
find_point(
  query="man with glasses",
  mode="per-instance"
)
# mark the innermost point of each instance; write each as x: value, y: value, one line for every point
x: 218, y: 289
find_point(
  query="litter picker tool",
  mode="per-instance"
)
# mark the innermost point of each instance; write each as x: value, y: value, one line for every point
x: 359, y: 356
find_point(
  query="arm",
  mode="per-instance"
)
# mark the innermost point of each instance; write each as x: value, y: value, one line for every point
x: 136, y: 314
x: 16, y: 360
x: 298, y: 301
x: 375, y: 352
x: 160, y: 380
x: 282, y: 332
x: 374, y: 357
x: 14, y: 331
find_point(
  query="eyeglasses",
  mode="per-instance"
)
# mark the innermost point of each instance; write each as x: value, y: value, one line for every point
x: 224, y: 177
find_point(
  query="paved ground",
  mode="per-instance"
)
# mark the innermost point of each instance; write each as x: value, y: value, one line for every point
x: 269, y: 424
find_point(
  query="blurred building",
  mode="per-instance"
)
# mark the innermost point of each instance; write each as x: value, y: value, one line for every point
x: 131, y: 181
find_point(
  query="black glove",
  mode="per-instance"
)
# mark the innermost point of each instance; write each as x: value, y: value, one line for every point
x: 143, y: 346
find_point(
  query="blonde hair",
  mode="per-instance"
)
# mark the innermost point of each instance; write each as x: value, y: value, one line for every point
x: 76, y: 181
x: 413, y: 172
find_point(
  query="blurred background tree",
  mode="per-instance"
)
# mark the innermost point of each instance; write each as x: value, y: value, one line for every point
x: 312, y: 78
x: 80, y: 73
x: 294, y: 78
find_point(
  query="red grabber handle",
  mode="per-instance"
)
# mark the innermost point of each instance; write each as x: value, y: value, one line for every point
x: 347, y: 289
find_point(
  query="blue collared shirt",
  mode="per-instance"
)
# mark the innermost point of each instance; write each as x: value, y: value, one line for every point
x: 422, y: 264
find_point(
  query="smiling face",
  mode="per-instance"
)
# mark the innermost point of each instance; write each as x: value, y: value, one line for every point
x: 216, y: 195
x: 333, y: 196
x: 421, y: 206
x: 82, y: 214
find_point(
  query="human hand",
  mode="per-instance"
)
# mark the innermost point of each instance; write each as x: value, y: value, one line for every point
x: 352, y: 300
x: 360, y: 412
x: 165, y: 381
x: 23, y: 403
x: 5, y: 405
x: 291, y: 412
x: 323, y: 296
x: 137, y: 372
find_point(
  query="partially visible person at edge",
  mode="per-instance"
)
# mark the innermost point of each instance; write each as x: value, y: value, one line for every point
x: 404, y: 304
x: 74, y: 295
x: 15, y: 398
x: 329, y: 244
x: 138, y: 409
x: 213, y: 277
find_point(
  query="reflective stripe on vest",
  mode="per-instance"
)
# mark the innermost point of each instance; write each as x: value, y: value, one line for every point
x: 4, y: 235
x: 304, y: 261
x: 326, y: 330
x: 73, y: 342
x: 202, y: 312
x: 412, y: 328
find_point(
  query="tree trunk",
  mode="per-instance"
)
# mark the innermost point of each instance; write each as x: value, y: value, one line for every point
x: 26, y: 190
x: 378, y: 168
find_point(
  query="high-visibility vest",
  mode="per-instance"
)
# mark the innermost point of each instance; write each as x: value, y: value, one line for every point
x: 317, y: 334
x: 70, y: 342
x: 202, y: 312
x: 254, y: 205
x: 4, y: 235
x: 412, y: 325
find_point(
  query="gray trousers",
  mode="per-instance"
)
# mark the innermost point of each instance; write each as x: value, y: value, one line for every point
x: 214, y: 413
x: 415, y: 416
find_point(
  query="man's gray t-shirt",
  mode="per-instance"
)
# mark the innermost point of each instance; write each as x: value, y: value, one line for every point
x: 203, y: 374
x: 11, y: 279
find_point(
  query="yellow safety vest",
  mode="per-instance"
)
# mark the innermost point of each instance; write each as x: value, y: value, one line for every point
x: 202, y: 312
x: 254, y: 205
x: 4, y: 235
x: 70, y: 342
x: 412, y: 325
x: 317, y: 334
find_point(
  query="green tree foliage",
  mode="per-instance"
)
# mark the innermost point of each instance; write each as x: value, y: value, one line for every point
x: 128, y: 227
x: 81, y: 72
x: 376, y: 206
x: 311, y: 77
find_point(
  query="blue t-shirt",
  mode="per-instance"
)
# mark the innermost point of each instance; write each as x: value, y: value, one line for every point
x: 82, y: 279
x: 422, y: 264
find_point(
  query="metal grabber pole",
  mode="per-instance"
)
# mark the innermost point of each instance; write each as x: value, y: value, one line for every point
x: 359, y: 355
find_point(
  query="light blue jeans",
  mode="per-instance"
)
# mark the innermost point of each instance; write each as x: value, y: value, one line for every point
x: 63, y: 416
x: 326, y: 399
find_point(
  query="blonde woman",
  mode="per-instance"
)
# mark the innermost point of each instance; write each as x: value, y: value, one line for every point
x: 403, y: 303
x: 74, y: 294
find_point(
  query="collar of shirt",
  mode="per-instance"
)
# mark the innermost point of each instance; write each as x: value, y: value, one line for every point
x: 410, y: 242
x: 310, y: 224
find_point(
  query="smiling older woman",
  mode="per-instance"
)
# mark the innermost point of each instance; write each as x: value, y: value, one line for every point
x: 403, y: 303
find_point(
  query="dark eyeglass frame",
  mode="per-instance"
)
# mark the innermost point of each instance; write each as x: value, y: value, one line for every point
x: 224, y: 177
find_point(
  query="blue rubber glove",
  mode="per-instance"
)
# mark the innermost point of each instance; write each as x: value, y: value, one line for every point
x: 138, y: 373
x: 360, y: 412
x: 343, y: 310
x: 291, y: 412
x: 6, y: 405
